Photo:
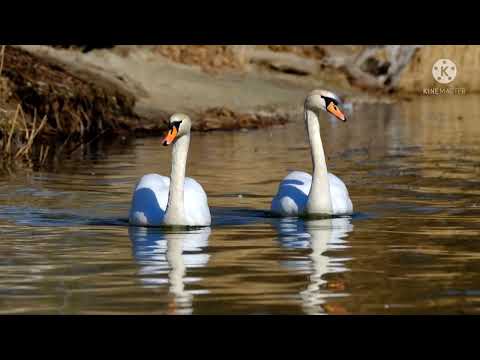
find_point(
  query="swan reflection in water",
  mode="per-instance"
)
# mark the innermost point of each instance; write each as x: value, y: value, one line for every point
x: 160, y: 252
x: 318, y: 235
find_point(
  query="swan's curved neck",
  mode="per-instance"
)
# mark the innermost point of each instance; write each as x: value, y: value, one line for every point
x: 175, y: 212
x: 319, y: 198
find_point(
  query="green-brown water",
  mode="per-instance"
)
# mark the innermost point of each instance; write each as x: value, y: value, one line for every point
x: 412, y: 170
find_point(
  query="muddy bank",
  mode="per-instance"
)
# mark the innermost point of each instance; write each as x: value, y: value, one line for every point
x: 83, y: 94
x: 79, y: 93
x: 55, y: 100
x: 227, y: 98
x: 52, y: 102
x: 74, y: 102
x: 42, y: 103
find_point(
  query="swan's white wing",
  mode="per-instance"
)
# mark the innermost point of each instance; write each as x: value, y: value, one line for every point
x: 149, y: 200
x: 341, y: 202
x: 151, y: 197
x: 292, y: 194
x: 293, y: 191
x: 196, y: 204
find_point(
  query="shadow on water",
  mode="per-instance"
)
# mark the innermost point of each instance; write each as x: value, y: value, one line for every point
x: 221, y: 217
x: 55, y: 218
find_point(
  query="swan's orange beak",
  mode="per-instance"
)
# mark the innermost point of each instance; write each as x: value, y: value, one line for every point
x: 171, y: 135
x: 335, y: 111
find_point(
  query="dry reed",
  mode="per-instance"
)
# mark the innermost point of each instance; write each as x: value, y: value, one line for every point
x: 18, y: 135
x: 2, y: 57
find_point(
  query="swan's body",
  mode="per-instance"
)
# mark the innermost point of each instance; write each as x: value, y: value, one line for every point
x: 300, y: 194
x: 159, y: 200
x: 150, y: 202
x: 292, y: 196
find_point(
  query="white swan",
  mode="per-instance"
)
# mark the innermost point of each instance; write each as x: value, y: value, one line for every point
x: 159, y: 200
x: 300, y: 194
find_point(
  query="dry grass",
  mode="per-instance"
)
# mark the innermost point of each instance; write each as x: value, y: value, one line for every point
x: 316, y: 52
x: 77, y: 104
x: 18, y: 135
x: 43, y: 103
x: 211, y: 58
x: 2, y: 56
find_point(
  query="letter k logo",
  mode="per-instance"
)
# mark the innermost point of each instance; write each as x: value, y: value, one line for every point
x: 444, y: 71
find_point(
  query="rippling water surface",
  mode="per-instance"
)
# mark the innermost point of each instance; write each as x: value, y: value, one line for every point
x: 412, y: 245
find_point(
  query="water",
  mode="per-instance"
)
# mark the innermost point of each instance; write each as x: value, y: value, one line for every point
x: 411, y: 247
